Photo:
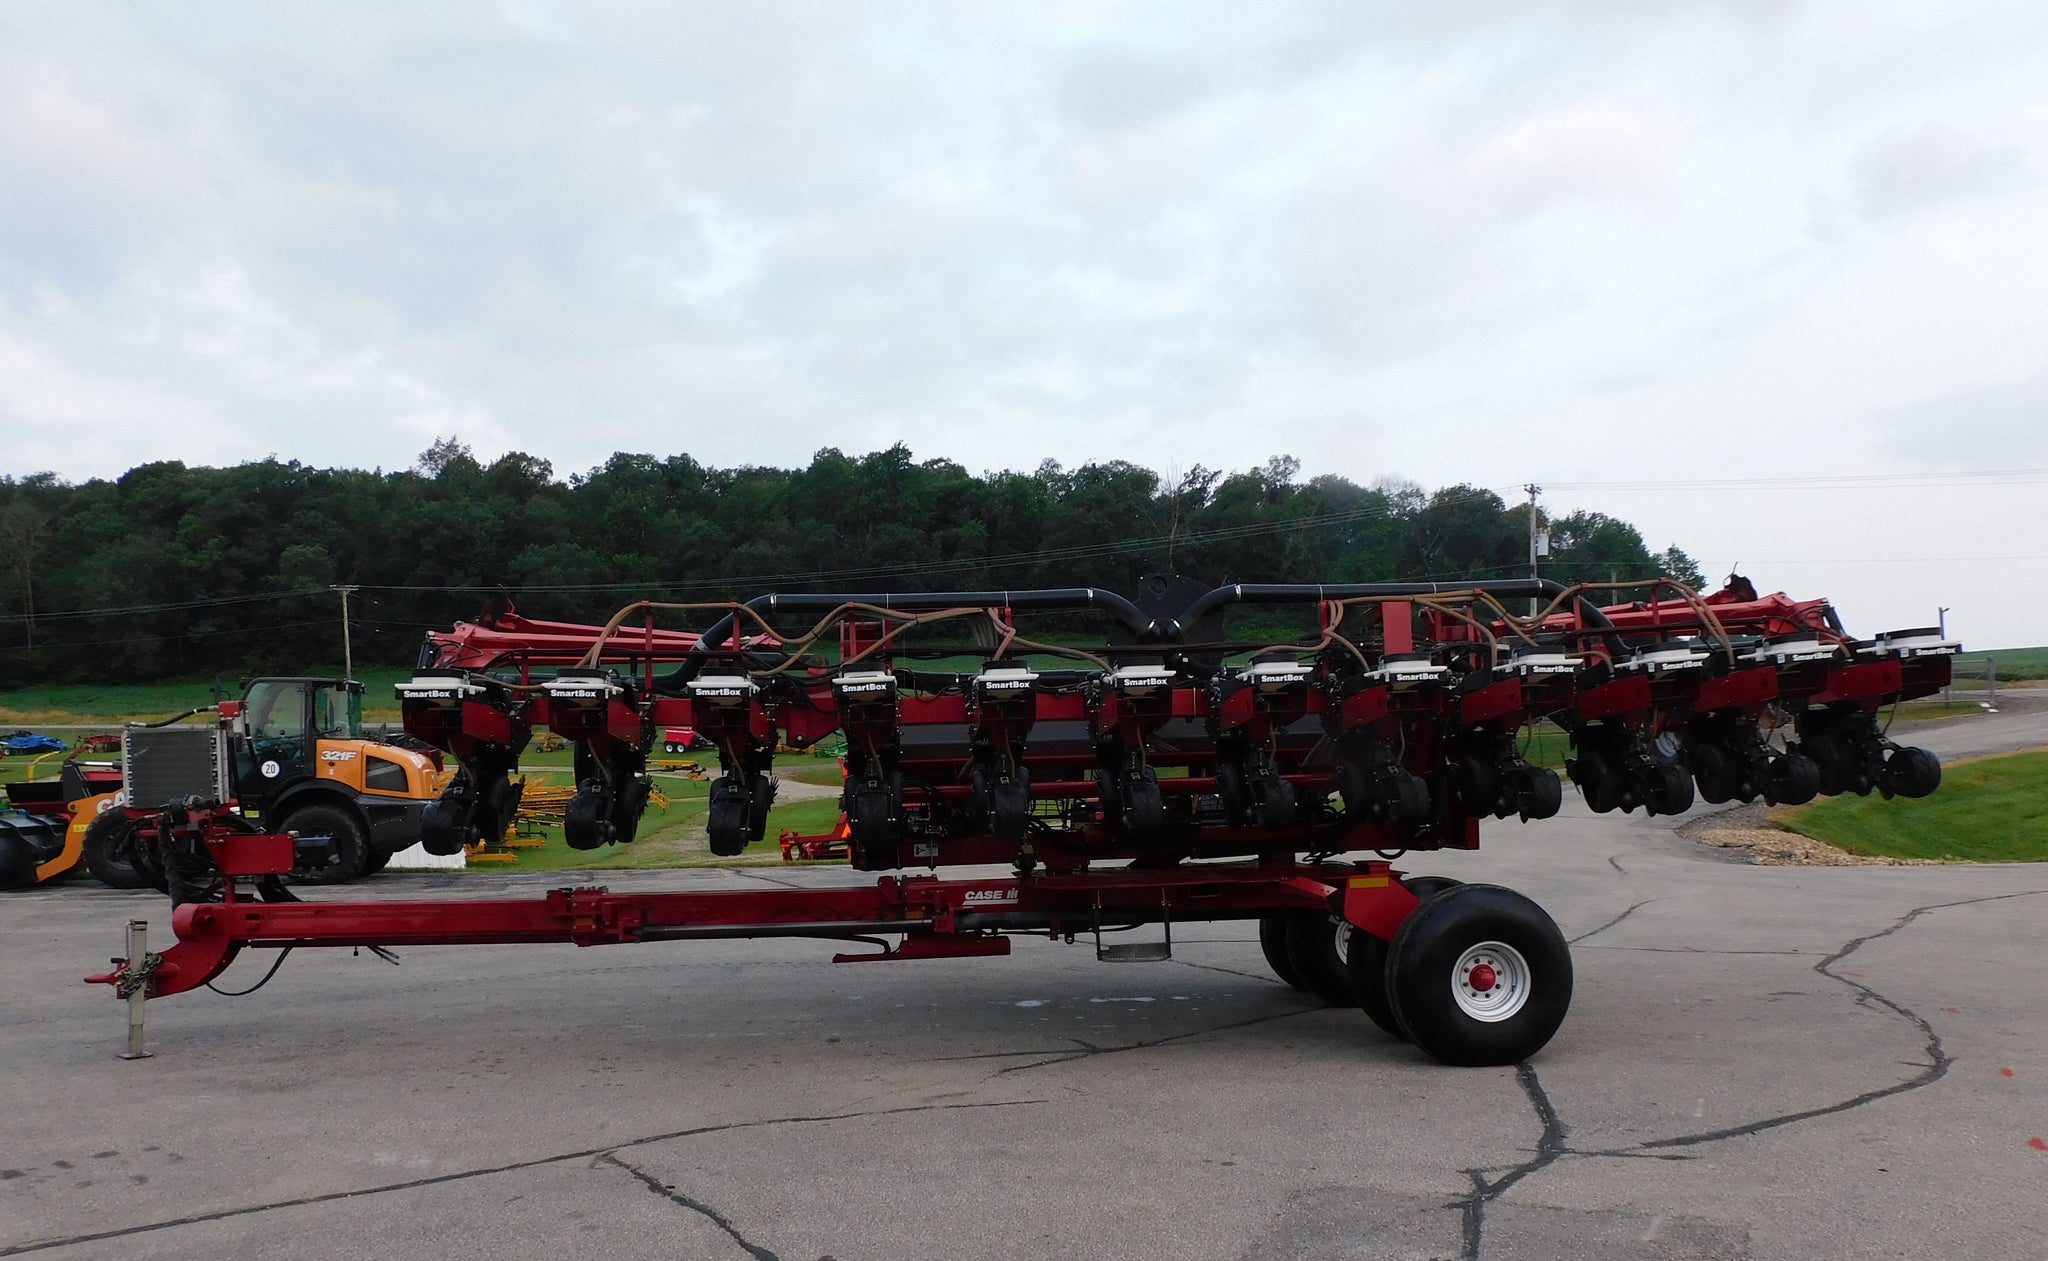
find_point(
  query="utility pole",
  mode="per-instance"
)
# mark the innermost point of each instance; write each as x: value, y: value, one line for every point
x: 348, y: 661
x: 1534, y: 490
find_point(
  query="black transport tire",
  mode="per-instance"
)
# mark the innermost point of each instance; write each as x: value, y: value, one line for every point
x: 1426, y: 887
x: 1316, y: 946
x: 1366, y: 959
x: 379, y: 860
x: 18, y: 862
x: 110, y: 852
x: 1455, y: 1011
x: 1273, y: 942
x: 351, y: 841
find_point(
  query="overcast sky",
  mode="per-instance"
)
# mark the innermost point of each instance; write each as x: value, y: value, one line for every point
x: 1569, y: 244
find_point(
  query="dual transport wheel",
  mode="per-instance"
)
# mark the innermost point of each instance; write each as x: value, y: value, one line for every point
x: 1476, y: 975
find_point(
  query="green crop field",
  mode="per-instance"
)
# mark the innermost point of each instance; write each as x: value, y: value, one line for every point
x: 1992, y: 810
x: 2014, y: 664
x: 83, y: 704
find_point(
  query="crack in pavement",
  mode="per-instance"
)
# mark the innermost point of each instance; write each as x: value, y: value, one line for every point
x: 1054, y: 1055
x: 670, y: 1194
x: 42, y: 1245
x: 1551, y: 1147
x: 1089, y: 1049
x: 1210, y: 967
x: 1610, y: 923
x: 1938, y: 1057
x: 1691, y: 950
x: 756, y: 875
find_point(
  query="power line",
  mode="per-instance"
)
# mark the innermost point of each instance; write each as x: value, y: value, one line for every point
x: 176, y: 606
x: 1360, y: 515
x: 1843, y: 481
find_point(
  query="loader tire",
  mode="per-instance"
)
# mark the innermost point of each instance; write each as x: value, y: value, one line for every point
x: 110, y: 852
x: 351, y: 843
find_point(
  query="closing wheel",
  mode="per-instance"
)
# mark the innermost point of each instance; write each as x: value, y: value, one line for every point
x: 1540, y: 794
x: 728, y: 822
x: 1479, y: 975
x: 351, y: 842
x: 1478, y: 786
x: 1407, y: 797
x: 1670, y: 789
x: 1911, y: 772
x: 110, y: 852
x: 1273, y: 942
x: 1366, y: 960
x: 1716, y: 772
x: 1599, y: 775
x: 1316, y: 946
x: 444, y: 824
x: 1834, y: 759
x: 1794, y: 780
x: 583, y: 819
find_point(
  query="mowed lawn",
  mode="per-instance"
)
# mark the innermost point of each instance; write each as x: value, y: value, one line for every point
x: 1994, y: 810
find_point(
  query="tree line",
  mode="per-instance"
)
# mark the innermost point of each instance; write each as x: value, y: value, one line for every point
x: 177, y: 572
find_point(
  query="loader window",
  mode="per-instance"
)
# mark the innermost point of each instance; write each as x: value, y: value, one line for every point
x: 275, y: 752
x: 275, y: 711
x: 338, y: 713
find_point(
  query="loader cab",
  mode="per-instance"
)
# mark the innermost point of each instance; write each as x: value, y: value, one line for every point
x: 282, y: 722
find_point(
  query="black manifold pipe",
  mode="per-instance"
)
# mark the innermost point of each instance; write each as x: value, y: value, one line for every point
x: 1129, y: 616
x: 1126, y: 613
x: 1302, y: 592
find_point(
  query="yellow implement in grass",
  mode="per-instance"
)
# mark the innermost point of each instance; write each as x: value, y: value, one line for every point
x: 540, y: 806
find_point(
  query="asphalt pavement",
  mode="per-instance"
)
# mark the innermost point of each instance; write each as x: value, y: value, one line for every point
x: 1760, y: 1062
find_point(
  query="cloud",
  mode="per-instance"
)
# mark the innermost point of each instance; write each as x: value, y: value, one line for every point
x: 1988, y: 426
x: 1907, y: 171
x: 1461, y: 246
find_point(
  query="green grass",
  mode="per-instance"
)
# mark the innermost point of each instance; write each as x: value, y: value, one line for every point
x: 1933, y: 707
x: 1992, y: 811
x: 1545, y: 745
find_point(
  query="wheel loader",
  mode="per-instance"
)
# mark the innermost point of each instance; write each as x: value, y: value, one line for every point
x: 300, y: 764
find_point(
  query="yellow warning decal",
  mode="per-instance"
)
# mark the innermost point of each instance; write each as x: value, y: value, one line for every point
x: 1366, y: 882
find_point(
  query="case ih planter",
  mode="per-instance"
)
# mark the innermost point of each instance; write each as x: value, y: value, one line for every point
x: 1165, y: 772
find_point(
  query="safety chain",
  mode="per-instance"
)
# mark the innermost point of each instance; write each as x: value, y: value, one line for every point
x: 131, y: 976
